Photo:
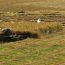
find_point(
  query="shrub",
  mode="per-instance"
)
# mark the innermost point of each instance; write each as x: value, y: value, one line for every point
x: 49, y: 29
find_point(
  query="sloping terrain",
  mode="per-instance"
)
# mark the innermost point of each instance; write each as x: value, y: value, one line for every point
x: 46, y: 50
x: 34, y: 52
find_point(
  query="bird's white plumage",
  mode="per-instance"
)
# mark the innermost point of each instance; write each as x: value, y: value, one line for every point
x: 39, y: 20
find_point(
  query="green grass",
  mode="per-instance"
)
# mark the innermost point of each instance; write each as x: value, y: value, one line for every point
x: 33, y: 52
x: 42, y: 51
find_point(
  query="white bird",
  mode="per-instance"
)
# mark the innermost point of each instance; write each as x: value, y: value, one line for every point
x: 39, y: 20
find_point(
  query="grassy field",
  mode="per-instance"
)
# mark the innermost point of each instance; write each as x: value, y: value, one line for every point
x: 46, y: 50
x: 49, y: 48
x: 17, y: 5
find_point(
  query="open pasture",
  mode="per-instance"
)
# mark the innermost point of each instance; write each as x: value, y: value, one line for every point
x: 42, y: 51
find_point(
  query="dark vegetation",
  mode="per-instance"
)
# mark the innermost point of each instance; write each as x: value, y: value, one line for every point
x: 8, y: 35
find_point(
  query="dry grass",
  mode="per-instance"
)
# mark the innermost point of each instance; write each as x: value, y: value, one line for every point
x: 47, y: 50
x: 40, y: 28
x: 18, y: 5
x: 28, y: 26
